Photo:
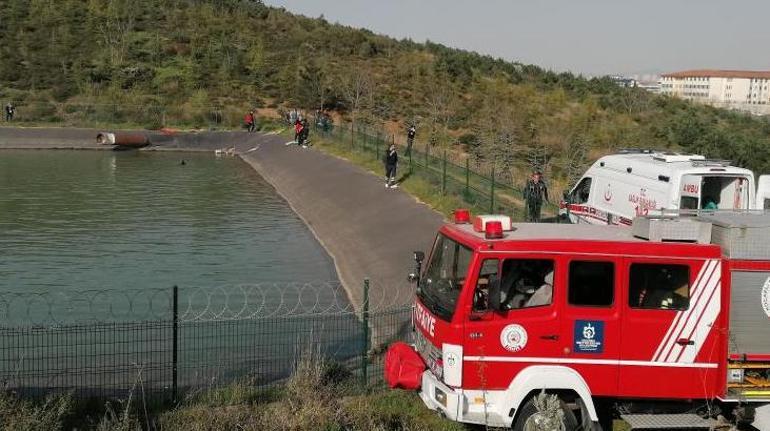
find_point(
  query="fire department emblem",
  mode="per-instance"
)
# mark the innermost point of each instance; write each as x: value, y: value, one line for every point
x: 513, y: 338
x: 766, y: 297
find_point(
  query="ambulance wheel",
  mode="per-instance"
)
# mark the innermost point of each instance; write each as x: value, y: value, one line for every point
x: 529, y: 413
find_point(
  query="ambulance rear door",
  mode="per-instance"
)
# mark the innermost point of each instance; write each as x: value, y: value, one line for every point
x: 763, y: 193
x: 690, y: 193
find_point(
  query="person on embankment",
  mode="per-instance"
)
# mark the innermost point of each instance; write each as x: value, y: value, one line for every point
x: 391, y: 164
x: 249, y: 120
x: 10, y: 110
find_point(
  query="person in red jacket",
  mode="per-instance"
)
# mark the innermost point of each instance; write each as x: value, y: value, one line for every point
x: 249, y: 121
x: 298, y: 128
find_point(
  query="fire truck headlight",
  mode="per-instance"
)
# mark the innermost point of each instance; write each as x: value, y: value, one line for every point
x: 735, y: 375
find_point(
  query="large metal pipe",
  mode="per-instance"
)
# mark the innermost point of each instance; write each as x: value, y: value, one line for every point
x: 123, y: 139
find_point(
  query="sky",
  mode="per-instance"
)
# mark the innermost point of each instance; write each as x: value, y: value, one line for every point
x: 589, y: 37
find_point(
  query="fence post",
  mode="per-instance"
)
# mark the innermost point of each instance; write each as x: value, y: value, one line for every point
x: 492, y: 193
x: 352, y: 135
x: 443, y: 175
x: 467, y: 177
x: 175, y: 344
x: 377, y: 146
x: 411, y: 168
x: 365, y: 344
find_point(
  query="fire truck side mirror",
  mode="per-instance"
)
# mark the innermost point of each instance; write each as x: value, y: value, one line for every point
x: 415, y: 276
x: 495, y: 302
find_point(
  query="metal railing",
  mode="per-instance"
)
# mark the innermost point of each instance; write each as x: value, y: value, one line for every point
x: 169, y: 343
x: 479, y: 186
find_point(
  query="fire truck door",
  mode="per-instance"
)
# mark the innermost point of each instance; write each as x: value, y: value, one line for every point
x: 525, y: 331
x: 667, y: 317
x: 590, y: 335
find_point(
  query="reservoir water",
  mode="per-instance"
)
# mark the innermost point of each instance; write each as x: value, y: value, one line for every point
x: 92, y: 242
x: 101, y: 222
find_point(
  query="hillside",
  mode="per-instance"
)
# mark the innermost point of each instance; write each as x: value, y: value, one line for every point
x: 176, y: 62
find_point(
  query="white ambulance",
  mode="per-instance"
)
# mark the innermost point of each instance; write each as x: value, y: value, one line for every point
x: 634, y: 183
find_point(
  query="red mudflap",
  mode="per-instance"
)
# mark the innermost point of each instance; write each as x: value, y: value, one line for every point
x: 403, y: 367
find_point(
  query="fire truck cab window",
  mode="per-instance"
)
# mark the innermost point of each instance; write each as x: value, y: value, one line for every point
x: 526, y: 283
x: 581, y: 192
x: 444, y: 276
x: 487, y: 274
x: 591, y: 284
x: 659, y: 286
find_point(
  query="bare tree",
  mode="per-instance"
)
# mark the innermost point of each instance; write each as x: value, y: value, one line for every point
x: 357, y: 90
x: 117, y: 21
x: 440, y: 102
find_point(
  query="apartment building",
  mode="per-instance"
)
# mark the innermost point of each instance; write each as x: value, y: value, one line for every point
x: 733, y: 89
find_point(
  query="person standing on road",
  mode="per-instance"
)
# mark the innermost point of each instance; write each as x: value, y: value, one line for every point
x: 10, y: 110
x: 535, y: 192
x: 391, y: 164
x: 410, y: 139
x: 297, y: 131
x: 304, y: 134
x: 249, y: 120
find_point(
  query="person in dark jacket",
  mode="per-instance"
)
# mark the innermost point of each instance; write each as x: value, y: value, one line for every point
x: 9, y: 111
x: 410, y: 139
x: 304, y: 134
x: 391, y: 163
x: 535, y: 192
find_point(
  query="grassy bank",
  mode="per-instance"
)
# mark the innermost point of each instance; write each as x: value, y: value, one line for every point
x: 425, y: 184
x: 318, y: 396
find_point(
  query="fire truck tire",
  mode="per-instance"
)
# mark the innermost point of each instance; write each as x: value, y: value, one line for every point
x: 529, y: 409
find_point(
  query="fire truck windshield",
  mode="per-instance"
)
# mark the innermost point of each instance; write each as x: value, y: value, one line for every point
x: 444, y: 277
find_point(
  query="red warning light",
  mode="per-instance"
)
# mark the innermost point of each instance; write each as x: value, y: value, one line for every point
x: 462, y: 216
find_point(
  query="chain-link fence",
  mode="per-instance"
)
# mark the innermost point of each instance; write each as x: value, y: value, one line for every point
x: 168, y: 343
x: 478, y: 185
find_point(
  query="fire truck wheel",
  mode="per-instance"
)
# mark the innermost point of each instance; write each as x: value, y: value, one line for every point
x: 529, y: 413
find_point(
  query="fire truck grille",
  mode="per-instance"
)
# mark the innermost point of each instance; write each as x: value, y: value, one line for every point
x: 430, y: 353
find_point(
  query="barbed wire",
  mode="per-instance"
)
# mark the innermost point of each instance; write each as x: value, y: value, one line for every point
x: 194, y: 304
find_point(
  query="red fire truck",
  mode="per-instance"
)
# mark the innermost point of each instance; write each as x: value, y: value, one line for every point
x: 667, y: 323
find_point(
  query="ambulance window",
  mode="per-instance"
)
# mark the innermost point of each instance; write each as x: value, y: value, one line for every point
x: 581, y: 192
x: 487, y: 273
x: 526, y: 283
x: 591, y: 284
x: 688, y: 203
x: 659, y: 286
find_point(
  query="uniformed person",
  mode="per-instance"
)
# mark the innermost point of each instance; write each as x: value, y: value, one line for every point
x: 535, y: 192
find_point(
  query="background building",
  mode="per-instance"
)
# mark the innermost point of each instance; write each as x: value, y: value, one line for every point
x: 733, y: 89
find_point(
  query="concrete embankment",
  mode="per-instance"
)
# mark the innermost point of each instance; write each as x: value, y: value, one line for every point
x: 85, y: 139
x: 369, y: 231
